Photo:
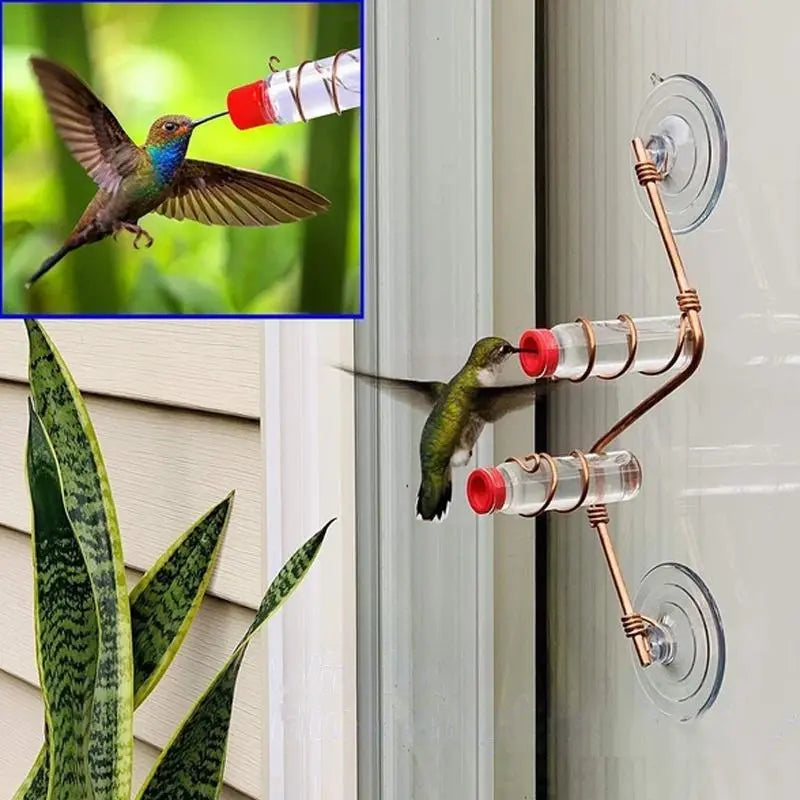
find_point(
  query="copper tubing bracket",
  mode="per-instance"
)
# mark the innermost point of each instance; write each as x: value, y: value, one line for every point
x: 635, y: 626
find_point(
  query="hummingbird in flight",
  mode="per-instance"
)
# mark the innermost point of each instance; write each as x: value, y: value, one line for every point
x: 458, y: 411
x: 156, y: 177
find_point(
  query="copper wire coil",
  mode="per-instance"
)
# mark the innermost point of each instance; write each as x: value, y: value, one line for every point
x: 598, y: 515
x: 683, y: 330
x: 331, y: 83
x: 686, y: 299
x: 333, y: 88
x: 633, y: 346
x: 591, y: 345
x: 634, y: 625
x: 532, y: 462
x: 637, y: 625
x: 647, y: 172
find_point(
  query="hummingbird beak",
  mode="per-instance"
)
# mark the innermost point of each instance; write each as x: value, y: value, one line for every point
x: 208, y: 119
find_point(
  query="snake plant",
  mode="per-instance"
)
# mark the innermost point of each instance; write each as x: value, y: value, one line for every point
x: 100, y: 651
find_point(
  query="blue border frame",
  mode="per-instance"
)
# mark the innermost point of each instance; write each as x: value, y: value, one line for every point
x: 299, y: 315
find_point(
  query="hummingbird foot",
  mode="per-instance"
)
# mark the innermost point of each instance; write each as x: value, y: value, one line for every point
x: 143, y: 232
x: 136, y: 229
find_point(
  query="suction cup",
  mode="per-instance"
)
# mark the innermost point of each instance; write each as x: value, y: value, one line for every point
x: 682, y: 128
x: 688, y: 646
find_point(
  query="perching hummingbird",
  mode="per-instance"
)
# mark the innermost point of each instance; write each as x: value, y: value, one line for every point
x: 458, y: 411
x: 133, y: 181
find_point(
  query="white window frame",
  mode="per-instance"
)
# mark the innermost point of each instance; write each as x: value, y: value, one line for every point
x: 429, y: 159
x: 309, y: 457
x: 416, y: 150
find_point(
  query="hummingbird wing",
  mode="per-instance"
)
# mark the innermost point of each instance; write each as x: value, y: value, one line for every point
x: 420, y: 394
x: 215, y: 194
x: 494, y: 402
x: 89, y: 130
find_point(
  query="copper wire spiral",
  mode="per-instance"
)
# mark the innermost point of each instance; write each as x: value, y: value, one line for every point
x: 685, y: 303
x: 647, y: 172
x: 598, y: 515
x: 331, y: 83
x: 637, y: 625
x: 532, y: 462
x: 688, y: 301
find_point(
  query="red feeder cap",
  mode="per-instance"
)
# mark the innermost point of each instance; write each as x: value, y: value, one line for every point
x: 249, y: 106
x: 540, y: 351
x: 486, y: 490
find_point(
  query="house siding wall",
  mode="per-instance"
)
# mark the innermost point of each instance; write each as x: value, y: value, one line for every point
x: 179, y: 428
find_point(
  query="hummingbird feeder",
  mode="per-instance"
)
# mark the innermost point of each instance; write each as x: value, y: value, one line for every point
x: 677, y: 634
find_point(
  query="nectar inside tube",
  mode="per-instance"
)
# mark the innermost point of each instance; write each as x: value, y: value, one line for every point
x: 510, y: 489
x: 563, y: 352
x: 309, y: 90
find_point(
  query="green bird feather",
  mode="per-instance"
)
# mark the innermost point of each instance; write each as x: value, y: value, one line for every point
x: 157, y: 177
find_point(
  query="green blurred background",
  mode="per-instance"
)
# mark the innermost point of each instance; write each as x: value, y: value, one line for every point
x: 145, y: 60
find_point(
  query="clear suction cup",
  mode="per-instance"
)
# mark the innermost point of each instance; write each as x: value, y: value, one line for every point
x: 687, y: 647
x: 681, y: 126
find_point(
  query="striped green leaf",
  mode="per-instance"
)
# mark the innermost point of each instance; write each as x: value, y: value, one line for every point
x: 191, y: 766
x: 34, y: 787
x: 165, y: 601
x: 89, y: 505
x: 164, y: 604
x: 66, y: 624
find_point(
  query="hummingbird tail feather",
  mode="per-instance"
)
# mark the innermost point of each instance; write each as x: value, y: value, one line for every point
x: 433, y: 498
x: 49, y: 263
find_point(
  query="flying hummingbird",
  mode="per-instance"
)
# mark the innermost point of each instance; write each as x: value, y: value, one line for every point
x: 133, y: 181
x: 457, y: 413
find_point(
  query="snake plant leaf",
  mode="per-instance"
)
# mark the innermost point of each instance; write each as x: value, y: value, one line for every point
x: 34, y: 787
x: 191, y: 766
x: 66, y: 623
x: 164, y: 604
x: 90, y: 507
x: 166, y: 600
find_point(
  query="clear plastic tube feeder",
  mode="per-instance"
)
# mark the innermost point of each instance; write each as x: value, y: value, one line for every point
x: 564, y: 352
x: 509, y: 488
x: 309, y: 90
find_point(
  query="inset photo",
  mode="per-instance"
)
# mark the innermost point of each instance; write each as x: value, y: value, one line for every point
x: 182, y: 159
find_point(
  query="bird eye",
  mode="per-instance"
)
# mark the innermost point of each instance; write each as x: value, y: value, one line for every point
x: 169, y: 126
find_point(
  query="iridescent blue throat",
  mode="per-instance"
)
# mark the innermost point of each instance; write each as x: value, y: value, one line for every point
x: 167, y: 158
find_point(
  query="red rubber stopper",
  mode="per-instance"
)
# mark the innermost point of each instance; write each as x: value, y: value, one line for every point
x: 486, y: 490
x: 539, y: 356
x: 249, y: 106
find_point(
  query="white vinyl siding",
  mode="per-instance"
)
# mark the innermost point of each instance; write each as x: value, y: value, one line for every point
x: 180, y: 372
x: 166, y: 466
x: 179, y: 428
